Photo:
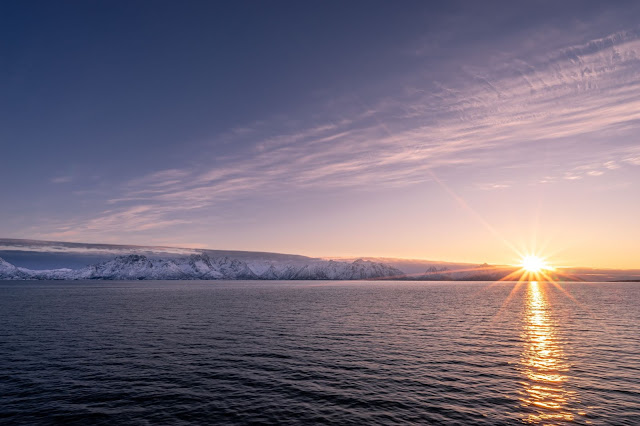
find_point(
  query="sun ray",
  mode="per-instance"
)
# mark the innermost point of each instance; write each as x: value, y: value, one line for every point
x: 510, y: 277
x: 516, y: 286
x: 513, y: 291
x: 474, y: 213
x: 568, y: 295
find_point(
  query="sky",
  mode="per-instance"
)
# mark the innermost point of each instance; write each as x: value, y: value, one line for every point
x: 460, y: 131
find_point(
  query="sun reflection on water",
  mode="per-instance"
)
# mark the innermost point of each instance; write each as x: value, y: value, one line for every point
x: 543, y: 363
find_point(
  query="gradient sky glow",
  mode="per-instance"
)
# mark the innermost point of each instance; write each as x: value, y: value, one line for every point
x: 439, y: 130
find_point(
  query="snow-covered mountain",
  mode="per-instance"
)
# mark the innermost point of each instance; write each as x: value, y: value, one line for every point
x: 46, y: 260
x: 10, y: 272
x: 203, y: 267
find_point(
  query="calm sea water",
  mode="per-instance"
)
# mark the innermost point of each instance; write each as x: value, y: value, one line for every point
x: 319, y: 352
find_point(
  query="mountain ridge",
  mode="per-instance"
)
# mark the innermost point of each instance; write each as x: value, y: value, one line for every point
x: 34, y: 259
x: 203, y: 267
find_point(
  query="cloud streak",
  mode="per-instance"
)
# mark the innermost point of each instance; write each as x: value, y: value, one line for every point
x: 482, y: 118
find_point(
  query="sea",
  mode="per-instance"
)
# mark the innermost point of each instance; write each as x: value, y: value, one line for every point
x: 319, y: 352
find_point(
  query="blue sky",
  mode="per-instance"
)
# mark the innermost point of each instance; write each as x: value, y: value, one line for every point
x: 463, y: 131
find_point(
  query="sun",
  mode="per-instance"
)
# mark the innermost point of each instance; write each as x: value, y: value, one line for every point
x: 534, y: 264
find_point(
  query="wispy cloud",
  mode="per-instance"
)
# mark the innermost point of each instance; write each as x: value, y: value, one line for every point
x: 611, y: 165
x: 484, y: 117
x: 93, y: 249
x: 492, y: 186
x: 138, y: 218
x: 61, y: 179
x: 633, y: 160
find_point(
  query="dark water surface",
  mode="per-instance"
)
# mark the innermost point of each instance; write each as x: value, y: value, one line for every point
x: 319, y: 352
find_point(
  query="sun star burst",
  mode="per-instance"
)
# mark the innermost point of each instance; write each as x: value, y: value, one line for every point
x: 534, y: 264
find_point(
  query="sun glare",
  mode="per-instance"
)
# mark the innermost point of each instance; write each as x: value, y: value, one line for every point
x: 534, y: 264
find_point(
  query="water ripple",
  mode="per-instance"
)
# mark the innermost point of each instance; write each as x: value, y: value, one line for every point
x: 319, y: 353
